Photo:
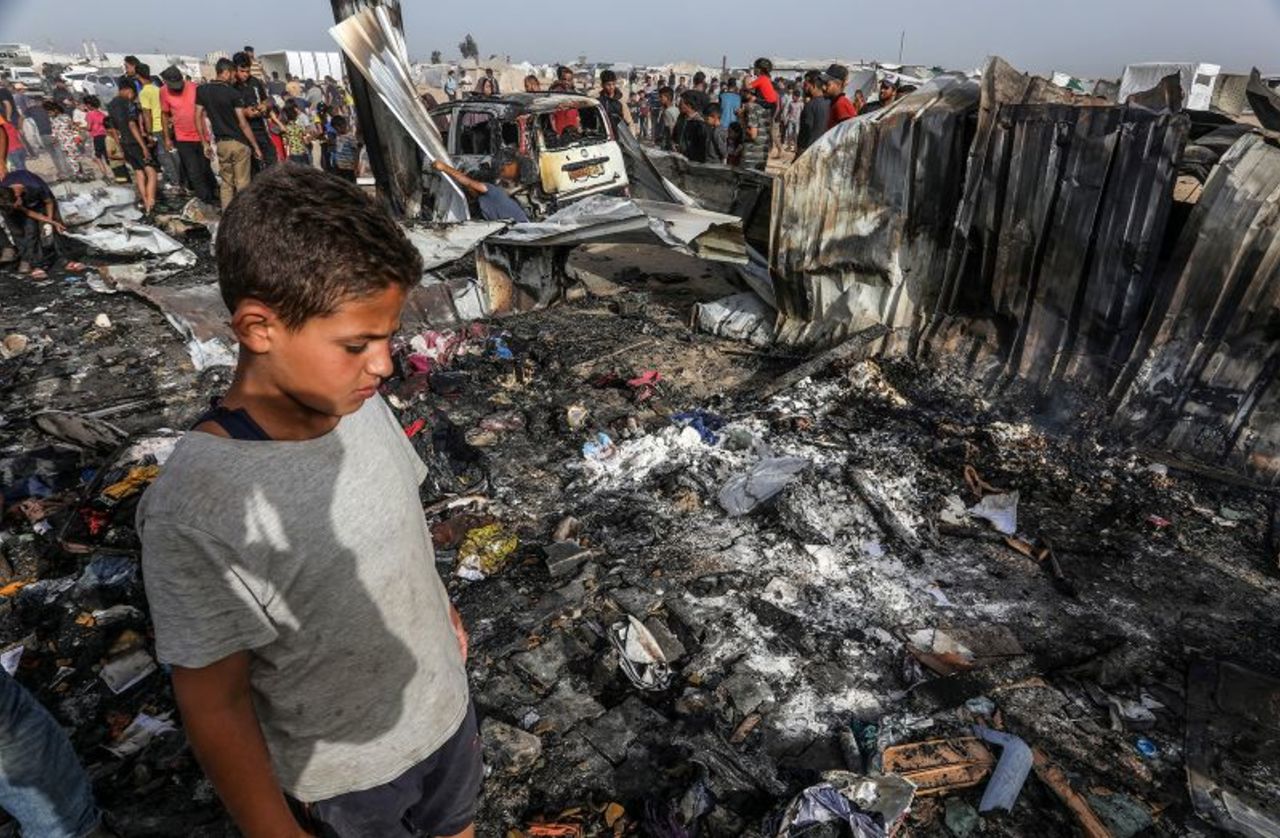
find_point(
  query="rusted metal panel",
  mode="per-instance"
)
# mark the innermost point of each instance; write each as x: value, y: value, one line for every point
x: 1203, y: 376
x: 1053, y: 274
x: 862, y: 220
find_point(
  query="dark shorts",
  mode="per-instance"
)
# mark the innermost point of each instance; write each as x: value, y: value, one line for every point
x: 435, y: 797
x: 100, y: 147
x: 133, y: 157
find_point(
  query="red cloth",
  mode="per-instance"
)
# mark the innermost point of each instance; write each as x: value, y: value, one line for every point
x: 181, y: 108
x: 841, y: 109
x: 278, y: 143
x: 97, y: 122
x: 563, y: 119
x: 763, y: 86
x: 15, y: 139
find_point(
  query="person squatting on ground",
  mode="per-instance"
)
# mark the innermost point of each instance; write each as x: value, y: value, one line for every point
x: 316, y: 659
x: 32, y: 219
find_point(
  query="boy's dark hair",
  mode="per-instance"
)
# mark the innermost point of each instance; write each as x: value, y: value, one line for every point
x: 125, y: 84
x: 92, y: 101
x: 131, y: 59
x: 222, y: 66
x: 248, y: 48
x: 143, y: 70
x: 303, y: 241
x: 339, y: 123
x: 712, y: 110
x: 764, y: 65
x: 689, y: 98
x: 241, y: 59
x: 665, y: 90
x: 607, y: 76
x: 699, y: 77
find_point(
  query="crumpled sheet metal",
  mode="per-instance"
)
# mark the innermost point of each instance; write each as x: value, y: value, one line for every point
x: 1203, y: 376
x: 377, y: 49
x: 128, y: 240
x: 441, y: 244
x: 613, y: 220
x: 862, y: 220
x: 84, y: 203
x: 197, y: 313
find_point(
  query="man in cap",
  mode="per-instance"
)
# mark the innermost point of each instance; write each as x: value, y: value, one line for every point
x: 833, y: 84
x: 182, y: 134
x: 888, y: 95
x: 493, y: 200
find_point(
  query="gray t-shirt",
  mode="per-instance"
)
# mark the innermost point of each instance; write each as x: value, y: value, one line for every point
x: 314, y: 555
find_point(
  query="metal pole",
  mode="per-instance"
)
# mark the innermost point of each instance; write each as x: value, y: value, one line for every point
x: 901, y: 42
x: 393, y: 155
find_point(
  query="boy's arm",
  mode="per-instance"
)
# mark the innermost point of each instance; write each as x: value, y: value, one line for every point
x: 248, y: 132
x: 218, y: 715
x: 469, y: 183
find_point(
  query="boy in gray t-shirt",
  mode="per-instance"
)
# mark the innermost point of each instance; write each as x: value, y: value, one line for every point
x: 317, y: 662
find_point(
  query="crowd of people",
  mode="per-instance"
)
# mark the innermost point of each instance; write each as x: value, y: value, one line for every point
x: 746, y: 122
x: 163, y: 133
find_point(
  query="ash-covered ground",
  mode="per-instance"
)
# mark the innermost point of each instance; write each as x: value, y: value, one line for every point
x: 859, y: 607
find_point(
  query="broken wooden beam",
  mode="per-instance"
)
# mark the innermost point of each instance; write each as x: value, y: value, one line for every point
x: 818, y: 363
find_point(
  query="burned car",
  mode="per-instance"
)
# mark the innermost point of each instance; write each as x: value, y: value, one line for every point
x: 565, y: 141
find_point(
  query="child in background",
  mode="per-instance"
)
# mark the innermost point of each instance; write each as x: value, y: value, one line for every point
x: 96, y: 119
x: 66, y: 137
x: 346, y: 150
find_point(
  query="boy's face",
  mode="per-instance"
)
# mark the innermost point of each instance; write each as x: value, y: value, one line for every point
x: 333, y: 364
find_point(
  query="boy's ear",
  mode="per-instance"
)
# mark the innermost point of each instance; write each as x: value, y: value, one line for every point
x: 256, y: 325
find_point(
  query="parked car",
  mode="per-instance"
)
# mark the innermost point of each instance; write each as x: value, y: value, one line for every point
x: 566, y: 139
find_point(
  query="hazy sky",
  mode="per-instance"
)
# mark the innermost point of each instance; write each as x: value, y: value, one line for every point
x: 1084, y: 37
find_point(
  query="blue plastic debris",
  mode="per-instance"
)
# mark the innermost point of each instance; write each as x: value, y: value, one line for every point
x: 1146, y: 747
x: 501, y: 350
x: 600, y: 448
x: 706, y: 424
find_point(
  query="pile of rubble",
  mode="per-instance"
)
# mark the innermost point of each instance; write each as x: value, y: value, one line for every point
x: 869, y: 598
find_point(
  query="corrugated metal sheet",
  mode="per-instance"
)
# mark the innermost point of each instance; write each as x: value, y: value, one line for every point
x: 1051, y: 269
x: 1203, y: 375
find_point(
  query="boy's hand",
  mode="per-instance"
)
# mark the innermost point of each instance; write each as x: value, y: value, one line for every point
x: 460, y: 630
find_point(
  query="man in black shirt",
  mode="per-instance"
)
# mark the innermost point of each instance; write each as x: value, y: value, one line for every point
x: 816, y: 112
x: 257, y: 104
x: 694, y: 137
x: 222, y: 102
x: 123, y: 125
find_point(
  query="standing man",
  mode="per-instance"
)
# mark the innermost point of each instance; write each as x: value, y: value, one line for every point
x: 730, y: 103
x: 611, y: 101
x: 257, y: 103
x: 694, y: 137
x: 255, y: 66
x: 130, y: 72
x: 564, y: 78
x: 757, y: 133
x: 221, y: 101
x: 817, y: 109
x: 182, y: 134
x: 153, y: 126
x: 451, y: 86
x: 888, y: 95
x: 126, y: 127
x: 276, y: 87
x: 833, y: 82
x: 666, y: 129
x: 488, y: 74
